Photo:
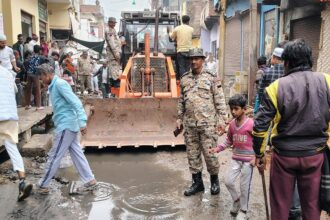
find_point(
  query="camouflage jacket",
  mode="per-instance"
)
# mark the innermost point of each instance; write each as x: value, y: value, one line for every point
x: 113, y: 44
x: 202, y: 101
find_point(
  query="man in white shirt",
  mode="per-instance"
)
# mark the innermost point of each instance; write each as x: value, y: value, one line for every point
x: 9, y: 130
x: 212, y: 64
x: 104, y: 79
x: 34, y: 41
x: 95, y: 82
x: 7, y: 57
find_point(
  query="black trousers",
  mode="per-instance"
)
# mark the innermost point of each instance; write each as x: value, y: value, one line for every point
x: 183, y: 63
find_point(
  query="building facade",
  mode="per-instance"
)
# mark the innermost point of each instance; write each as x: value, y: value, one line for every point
x: 289, y: 20
x: 210, y: 30
x: 92, y: 21
x: 47, y: 18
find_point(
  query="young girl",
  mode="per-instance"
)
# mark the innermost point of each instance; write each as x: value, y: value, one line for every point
x: 240, y: 137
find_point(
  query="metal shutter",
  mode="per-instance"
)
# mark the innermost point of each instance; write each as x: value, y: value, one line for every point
x: 308, y: 29
x: 246, y: 53
x: 232, y: 63
x: 232, y: 53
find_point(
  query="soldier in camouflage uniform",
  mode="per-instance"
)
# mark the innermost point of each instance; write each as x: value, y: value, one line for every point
x: 113, y: 53
x: 201, y: 111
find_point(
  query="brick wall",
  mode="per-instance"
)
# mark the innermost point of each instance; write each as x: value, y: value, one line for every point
x: 323, y: 64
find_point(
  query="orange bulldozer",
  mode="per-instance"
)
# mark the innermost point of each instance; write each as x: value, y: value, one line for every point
x: 144, y: 114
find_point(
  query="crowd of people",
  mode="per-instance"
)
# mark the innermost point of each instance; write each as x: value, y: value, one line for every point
x: 24, y: 56
x: 291, y: 116
x: 40, y: 68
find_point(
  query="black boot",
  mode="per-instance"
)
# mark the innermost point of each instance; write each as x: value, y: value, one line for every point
x: 197, y: 185
x: 215, y: 187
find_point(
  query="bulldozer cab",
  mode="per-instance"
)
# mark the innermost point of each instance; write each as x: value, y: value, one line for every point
x: 134, y: 25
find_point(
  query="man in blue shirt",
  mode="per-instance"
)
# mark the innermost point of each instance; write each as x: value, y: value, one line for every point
x: 69, y: 118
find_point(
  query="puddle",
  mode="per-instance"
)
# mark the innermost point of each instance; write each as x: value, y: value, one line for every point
x: 141, y: 188
x: 132, y: 185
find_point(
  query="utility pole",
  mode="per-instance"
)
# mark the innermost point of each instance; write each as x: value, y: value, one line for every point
x: 222, y: 36
x: 254, y: 32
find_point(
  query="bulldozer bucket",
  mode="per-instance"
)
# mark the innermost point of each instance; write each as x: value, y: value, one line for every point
x: 132, y: 122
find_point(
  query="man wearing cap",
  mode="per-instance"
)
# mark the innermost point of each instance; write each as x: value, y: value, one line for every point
x: 7, y: 57
x: 182, y: 34
x: 84, y: 72
x: 273, y: 73
x: 201, y: 111
x: 113, y: 52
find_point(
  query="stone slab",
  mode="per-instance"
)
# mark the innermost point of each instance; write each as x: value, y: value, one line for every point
x: 38, y: 145
x: 31, y: 117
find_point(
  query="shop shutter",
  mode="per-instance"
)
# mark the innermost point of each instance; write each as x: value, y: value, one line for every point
x: 308, y: 29
x: 232, y: 53
x: 42, y: 27
x: 232, y: 61
x: 26, y: 18
x: 246, y: 53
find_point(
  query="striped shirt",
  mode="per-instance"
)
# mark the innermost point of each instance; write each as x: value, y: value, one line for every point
x: 269, y: 76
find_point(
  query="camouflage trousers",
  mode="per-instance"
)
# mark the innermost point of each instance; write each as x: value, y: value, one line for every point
x: 114, y: 69
x: 198, y: 140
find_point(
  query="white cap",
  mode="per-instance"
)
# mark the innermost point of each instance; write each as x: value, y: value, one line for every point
x: 3, y: 37
x: 278, y: 52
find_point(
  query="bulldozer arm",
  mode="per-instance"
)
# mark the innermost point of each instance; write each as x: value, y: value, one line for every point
x: 132, y: 122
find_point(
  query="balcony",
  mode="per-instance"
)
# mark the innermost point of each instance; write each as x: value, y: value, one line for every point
x: 96, y: 10
x: 209, y: 14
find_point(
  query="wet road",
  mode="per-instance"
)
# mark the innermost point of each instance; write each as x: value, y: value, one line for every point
x: 151, y: 185
x: 134, y: 185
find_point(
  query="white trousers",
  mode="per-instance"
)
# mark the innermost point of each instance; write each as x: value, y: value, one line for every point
x: 244, y: 170
x: 95, y: 83
x: 15, y: 156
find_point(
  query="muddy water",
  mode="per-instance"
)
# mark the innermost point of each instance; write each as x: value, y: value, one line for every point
x: 150, y: 186
x: 142, y: 186
x: 141, y: 189
x: 132, y: 185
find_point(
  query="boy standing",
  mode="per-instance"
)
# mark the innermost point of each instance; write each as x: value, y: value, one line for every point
x: 240, y: 137
x: 69, y: 118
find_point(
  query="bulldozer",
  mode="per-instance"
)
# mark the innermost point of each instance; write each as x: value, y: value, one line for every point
x: 144, y: 114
